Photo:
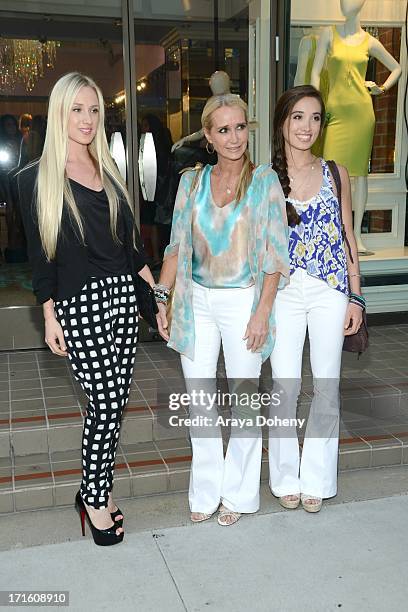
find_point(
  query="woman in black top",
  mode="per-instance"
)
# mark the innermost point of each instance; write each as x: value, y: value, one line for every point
x: 85, y: 251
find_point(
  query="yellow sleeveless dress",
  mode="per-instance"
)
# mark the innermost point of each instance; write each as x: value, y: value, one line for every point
x: 348, y: 137
x: 317, y: 148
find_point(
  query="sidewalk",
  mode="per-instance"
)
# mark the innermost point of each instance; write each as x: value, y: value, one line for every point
x: 350, y: 556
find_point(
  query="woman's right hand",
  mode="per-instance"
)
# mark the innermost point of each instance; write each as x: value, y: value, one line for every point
x: 162, y: 322
x: 54, y: 337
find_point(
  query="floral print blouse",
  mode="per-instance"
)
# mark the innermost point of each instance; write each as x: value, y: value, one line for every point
x: 316, y: 244
x: 267, y: 250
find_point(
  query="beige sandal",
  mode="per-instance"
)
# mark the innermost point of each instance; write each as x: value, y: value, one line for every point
x: 224, y: 512
x: 200, y: 517
x: 290, y: 501
x: 311, y: 503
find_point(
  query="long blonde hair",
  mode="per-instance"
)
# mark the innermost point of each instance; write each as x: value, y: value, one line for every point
x: 212, y: 104
x: 53, y: 187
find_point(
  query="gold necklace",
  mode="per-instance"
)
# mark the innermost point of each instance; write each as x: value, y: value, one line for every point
x: 292, y: 179
x: 228, y: 188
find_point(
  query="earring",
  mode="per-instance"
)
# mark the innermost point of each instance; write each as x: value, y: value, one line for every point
x: 208, y: 148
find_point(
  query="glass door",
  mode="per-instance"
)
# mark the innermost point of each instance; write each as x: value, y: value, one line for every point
x: 35, y: 50
x: 178, y: 46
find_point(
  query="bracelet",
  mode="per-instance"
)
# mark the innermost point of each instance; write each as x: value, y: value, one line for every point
x: 383, y: 89
x: 352, y: 275
x: 358, y: 300
x: 161, y: 293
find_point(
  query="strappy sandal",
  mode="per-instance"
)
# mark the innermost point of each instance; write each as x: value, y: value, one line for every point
x: 224, y: 512
x: 203, y: 516
x: 290, y: 501
x: 311, y: 503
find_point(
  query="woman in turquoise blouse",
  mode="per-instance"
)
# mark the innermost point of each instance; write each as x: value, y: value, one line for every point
x: 227, y: 256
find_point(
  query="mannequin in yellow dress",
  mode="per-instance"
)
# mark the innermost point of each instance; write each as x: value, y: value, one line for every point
x: 349, y: 133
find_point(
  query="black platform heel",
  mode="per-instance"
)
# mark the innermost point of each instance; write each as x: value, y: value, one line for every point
x: 102, y: 537
x: 119, y: 522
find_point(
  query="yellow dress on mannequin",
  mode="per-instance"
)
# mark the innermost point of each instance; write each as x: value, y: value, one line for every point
x: 348, y: 137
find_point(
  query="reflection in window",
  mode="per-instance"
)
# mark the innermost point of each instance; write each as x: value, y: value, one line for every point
x: 377, y: 222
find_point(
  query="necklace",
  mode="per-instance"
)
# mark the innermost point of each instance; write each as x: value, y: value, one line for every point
x: 228, y: 188
x: 292, y: 179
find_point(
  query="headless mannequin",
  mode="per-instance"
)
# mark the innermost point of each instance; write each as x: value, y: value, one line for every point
x: 219, y: 84
x: 352, y: 34
x: 305, y: 49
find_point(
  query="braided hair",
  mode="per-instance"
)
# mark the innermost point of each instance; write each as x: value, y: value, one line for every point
x: 280, y: 163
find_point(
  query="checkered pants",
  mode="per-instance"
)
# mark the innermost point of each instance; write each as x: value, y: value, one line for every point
x: 100, y: 327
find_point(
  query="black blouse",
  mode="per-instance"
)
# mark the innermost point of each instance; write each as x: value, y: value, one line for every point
x: 67, y: 273
x: 105, y: 256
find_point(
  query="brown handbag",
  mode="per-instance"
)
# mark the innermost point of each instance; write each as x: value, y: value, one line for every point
x: 358, y: 342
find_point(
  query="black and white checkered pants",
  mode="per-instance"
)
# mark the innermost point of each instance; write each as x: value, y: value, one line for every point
x: 100, y: 327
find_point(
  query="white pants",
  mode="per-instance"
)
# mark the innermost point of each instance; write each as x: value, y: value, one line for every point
x: 308, y: 303
x: 222, y: 315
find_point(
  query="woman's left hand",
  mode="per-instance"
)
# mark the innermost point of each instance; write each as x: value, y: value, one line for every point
x: 257, y: 330
x: 354, y: 319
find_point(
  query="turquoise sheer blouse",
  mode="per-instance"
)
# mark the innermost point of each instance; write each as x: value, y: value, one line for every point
x: 220, y: 240
x: 267, y: 248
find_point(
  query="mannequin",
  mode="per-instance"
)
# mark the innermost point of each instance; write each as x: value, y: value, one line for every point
x: 350, y: 131
x: 219, y: 84
x: 306, y: 57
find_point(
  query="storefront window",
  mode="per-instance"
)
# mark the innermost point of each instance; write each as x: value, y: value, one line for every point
x: 303, y: 45
x: 178, y: 47
x: 365, y: 126
x: 35, y: 50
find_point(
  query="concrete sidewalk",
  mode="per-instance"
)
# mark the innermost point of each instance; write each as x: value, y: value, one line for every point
x: 350, y: 556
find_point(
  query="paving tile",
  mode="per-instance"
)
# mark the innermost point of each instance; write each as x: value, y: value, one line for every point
x: 6, y: 501
x: 145, y: 463
x: 65, y: 492
x: 6, y: 478
x: 29, y: 441
x: 69, y: 401
x: 27, y: 357
x: 4, y: 443
x: 28, y: 419
x: 28, y: 404
x: 386, y: 454
x: 179, y: 479
x: 167, y: 446
x: 136, y: 430
x: 149, y: 484
x: 5, y: 421
x: 141, y: 447
x: 64, y: 416
x: 31, y: 460
x: 122, y: 486
x: 60, y: 391
x: 34, y: 475
x: 65, y: 438
x: 30, y: 499
x: 351, y: 457
x: 55, y: 381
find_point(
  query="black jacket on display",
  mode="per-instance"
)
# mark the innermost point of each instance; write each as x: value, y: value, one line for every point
x: 64, y: 276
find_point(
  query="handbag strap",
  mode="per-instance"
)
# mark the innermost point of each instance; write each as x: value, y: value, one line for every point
x: 337, y: 181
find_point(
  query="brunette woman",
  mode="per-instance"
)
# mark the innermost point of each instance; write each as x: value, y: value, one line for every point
x: 323, y: 297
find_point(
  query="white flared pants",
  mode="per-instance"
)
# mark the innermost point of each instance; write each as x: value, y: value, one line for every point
x: 221, y: 315
x: 307, y: 303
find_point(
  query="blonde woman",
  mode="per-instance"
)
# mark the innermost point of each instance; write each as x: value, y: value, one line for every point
x: 82, y: 246
x: 227, y: 253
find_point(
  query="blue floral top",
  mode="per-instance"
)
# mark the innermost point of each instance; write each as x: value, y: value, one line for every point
x: 316, y: 244
x: 267, y: 250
